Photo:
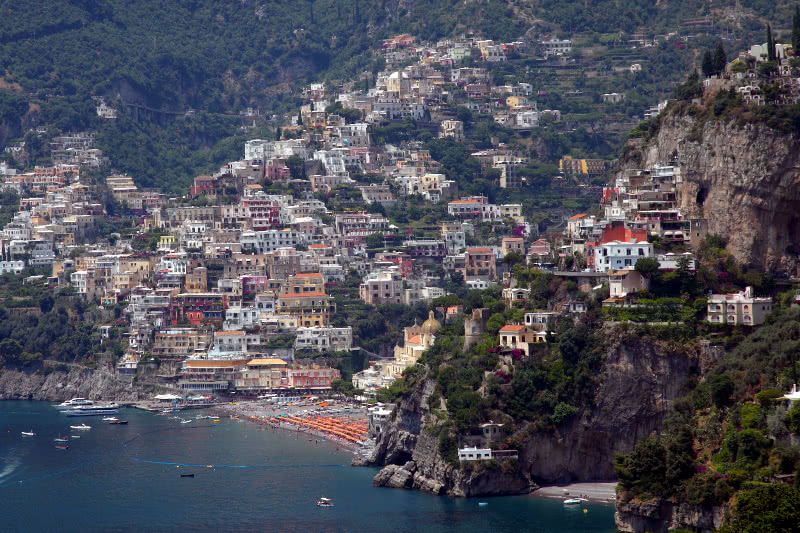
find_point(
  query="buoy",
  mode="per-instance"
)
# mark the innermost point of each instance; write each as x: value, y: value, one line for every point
x: 586, y: 510
x: 210, y: 466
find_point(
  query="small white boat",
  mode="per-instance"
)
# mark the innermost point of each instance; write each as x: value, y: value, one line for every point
x: 61, y: 439
x: 109, y: 418
x: 75, y: 436
x: 324, y: 502
x: 186, y: 421
x: 82, y: 426
x: 483, y: 504
x: 28, y: 433
x: 574, y: 501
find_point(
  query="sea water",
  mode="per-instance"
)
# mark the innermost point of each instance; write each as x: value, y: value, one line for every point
x: 128, y: 478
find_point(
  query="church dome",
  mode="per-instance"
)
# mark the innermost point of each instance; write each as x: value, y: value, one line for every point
x: 431, y: 326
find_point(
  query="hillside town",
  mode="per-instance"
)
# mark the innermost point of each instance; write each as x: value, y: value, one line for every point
x: 233, y: 286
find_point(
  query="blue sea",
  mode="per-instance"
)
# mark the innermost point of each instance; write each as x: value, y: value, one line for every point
x: 128, y: 478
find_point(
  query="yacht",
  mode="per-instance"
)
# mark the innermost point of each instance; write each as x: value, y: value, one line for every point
x: 82, y: 426
x: 94, y: 410
x: 324, y: 502
x: 73, y: 403
x: 28, y: 433
x: 575, y: 501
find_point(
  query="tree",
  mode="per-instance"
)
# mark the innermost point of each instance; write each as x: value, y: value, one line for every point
x: 707, y: 64
x: 720, y: 59
x: 46, y: 303
x: 796, y: 30
x: 721, y: 389
x: 646, y: 266
x: 770, y: 44
x: 493, y: 325
x: 771, y: 507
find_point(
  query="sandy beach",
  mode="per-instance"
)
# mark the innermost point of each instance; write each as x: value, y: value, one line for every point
x: 604, y: 492
x: 303, y: 418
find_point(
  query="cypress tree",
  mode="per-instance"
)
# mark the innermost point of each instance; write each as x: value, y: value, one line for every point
x: 796, y: 31
x: 707, y: 64
x: 720, y: 59
x: 770, y: 44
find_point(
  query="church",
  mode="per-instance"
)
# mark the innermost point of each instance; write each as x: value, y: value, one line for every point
x: 416, y: 339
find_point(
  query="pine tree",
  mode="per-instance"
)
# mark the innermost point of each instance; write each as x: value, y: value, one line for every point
x: 796, y: 31
x: 770, y: 44
x: 708, y: 64
x: 720, y: 59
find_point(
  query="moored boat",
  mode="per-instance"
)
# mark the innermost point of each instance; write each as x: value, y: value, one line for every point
x: 62, y: 447
x: 73, y: 403
x: 28, y: 433
x: 118, y: 422
x: 82, y: 426
x: 109, y: 418
x: 574, y: 501
x: 94, y: 410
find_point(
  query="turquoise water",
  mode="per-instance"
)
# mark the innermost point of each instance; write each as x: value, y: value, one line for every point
x: 113, y: 479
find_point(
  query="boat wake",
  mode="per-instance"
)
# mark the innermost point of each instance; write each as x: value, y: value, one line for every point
x: 10, y: 466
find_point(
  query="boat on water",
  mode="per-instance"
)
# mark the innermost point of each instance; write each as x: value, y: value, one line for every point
x: 28, y: 433
x: 109, y: 418
x: 324, y: 502
x: 82, y: 426
x: 574, y: 501
x: 186, y: 421
x: 187, y: 475
x: 61, y: 439
x: 73, y: 403
x: 118, y: 422
x: 94, y: 410
x: 75, y: 436
x: 62, y: 447
x: 483, y: 504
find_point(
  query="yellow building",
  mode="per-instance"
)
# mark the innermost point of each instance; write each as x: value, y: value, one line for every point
x: 416, y: 339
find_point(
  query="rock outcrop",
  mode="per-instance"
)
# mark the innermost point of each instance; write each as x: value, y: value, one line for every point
x: 742, y: 177
x: 660, y: 517
x: 638, y: 382
x: 63, y: 383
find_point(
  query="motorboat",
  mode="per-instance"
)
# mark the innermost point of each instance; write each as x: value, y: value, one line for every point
x: 28, y: 433
x: 75, y: 436
x: 61, y: 439
x: 574, y: 501
x: 82, y: 426
x: 186, y: 421
x: 119, y: 422
x: 62, y: 447
x: 187, y: 475
x: 483, y: 504
x: 73, y: 403
x: 109, y: 418
x: 94, y: 410
x: 324, y: 502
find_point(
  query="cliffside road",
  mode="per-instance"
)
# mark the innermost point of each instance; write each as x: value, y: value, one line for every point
x: 596, y: 492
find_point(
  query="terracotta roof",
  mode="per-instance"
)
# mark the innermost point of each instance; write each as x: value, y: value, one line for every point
x: 317, y: 245
x: 415, y: 340
x: 513, y: 238
x: 578, y: 216
x: 267, y: 362
x: 464, y: 202
x: 479, y: 250
x: 512, y: 328
x: 308, y: 275
x: 228, y: 333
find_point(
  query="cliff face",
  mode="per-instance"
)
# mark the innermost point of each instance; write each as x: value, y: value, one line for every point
x: 638, y: 381
x: 661, y: 517
x: 743, y: 178
x: 59, y: 385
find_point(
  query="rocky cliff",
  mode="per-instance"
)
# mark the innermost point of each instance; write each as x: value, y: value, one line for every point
x: 639, y: 380
x: 64, y: 382
x: 660, y: 517
x: 743, y: 177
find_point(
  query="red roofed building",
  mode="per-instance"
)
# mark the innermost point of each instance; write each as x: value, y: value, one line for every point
x: 519, y: 337
x: 616, y: 231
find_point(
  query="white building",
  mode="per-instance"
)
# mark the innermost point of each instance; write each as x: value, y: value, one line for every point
x: 270, y: 240
x: 618, y: 255
x: 241, y: 317
x: 324, y: 339
x: 15, y: 267
x: 474, y: 454
x: 741, y: 308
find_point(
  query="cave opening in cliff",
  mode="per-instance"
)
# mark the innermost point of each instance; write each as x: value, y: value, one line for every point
x: 702, y: 193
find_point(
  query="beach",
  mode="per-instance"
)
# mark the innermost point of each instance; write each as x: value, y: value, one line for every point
x: 340, y: 422
x: 603, y: 492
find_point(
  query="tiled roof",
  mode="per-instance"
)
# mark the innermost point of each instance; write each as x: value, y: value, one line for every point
x: 512, y: 328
